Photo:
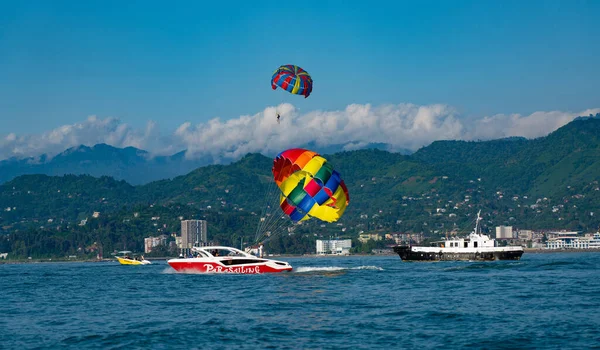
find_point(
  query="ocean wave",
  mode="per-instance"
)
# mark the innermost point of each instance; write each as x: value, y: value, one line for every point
x: 492, y: 265
x: 560, y: 264
x: 367, y: 268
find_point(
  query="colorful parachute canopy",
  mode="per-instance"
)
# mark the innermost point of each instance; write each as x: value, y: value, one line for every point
x: 292, y: 79
x: 309, y: 186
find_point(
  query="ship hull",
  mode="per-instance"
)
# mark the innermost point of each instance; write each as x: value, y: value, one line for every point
x: 406, y: 254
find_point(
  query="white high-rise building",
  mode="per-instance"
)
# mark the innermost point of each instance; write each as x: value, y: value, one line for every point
x: 193, y: 233
x: 334, y: 246
x: 504, y: 232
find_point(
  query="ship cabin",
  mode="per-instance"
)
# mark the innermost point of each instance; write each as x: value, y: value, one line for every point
x: 473, y: 241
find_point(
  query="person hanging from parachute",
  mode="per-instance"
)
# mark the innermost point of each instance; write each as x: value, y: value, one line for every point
x: 278, y: 117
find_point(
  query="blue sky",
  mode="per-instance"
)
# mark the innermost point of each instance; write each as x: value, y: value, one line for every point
x: 177, y: 62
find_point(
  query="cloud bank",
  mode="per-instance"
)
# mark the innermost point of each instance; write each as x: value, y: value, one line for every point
x: 402, y: 126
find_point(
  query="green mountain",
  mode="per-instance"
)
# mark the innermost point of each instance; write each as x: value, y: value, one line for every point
x: 545, y: 183
x: 568, y: 156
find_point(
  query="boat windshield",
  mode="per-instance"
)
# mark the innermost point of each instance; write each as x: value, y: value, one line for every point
x: 202, y: 254
x: 224, y: 252
x: 208, y: 252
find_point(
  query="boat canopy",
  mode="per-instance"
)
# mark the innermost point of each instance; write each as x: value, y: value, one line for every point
x: 212, y: 251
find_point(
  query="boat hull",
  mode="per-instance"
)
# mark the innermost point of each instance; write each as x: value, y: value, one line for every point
x: 124, y: 261
x: 226, y: 260
x: 407, y: 254
x: 190, y: 266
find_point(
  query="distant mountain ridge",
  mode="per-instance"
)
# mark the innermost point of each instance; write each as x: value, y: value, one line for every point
x: 130, y: 164
x: 138, y: 167
x: 133, y: 165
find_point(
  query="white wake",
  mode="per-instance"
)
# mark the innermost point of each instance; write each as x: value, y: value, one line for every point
x: 334, y: 268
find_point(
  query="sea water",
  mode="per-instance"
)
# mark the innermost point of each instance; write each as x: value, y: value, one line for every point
x: 543, y: 301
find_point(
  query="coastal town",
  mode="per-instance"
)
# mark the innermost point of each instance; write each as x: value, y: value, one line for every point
x: 440, y: 217
x: 195, y: 233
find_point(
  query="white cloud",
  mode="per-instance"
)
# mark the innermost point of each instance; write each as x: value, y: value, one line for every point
x: 90, y: 132
x: 534, y: 125
x: 401, y: 126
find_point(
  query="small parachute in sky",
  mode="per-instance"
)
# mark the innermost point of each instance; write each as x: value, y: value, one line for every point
x: 309, y: 186
x: 292, y: 79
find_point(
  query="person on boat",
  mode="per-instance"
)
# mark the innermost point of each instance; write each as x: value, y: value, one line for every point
x: 260, y: 250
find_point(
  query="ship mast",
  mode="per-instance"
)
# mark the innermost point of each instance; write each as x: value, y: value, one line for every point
x: 477, y: 222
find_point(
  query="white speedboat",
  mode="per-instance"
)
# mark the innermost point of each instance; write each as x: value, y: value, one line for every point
x: 220, y: 259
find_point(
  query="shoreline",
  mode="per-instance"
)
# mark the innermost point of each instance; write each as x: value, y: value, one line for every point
x: 313, y: 256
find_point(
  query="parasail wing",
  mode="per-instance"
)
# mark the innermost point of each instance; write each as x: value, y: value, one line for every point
x: 309, y: 186
x: 292, y: 79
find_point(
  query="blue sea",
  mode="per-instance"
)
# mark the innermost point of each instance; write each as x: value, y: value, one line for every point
x: 544, y: 301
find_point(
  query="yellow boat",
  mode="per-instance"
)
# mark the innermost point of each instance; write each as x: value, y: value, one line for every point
x: 136, y: 260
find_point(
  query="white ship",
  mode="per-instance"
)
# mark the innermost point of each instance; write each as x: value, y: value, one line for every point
x: 476, y: 246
